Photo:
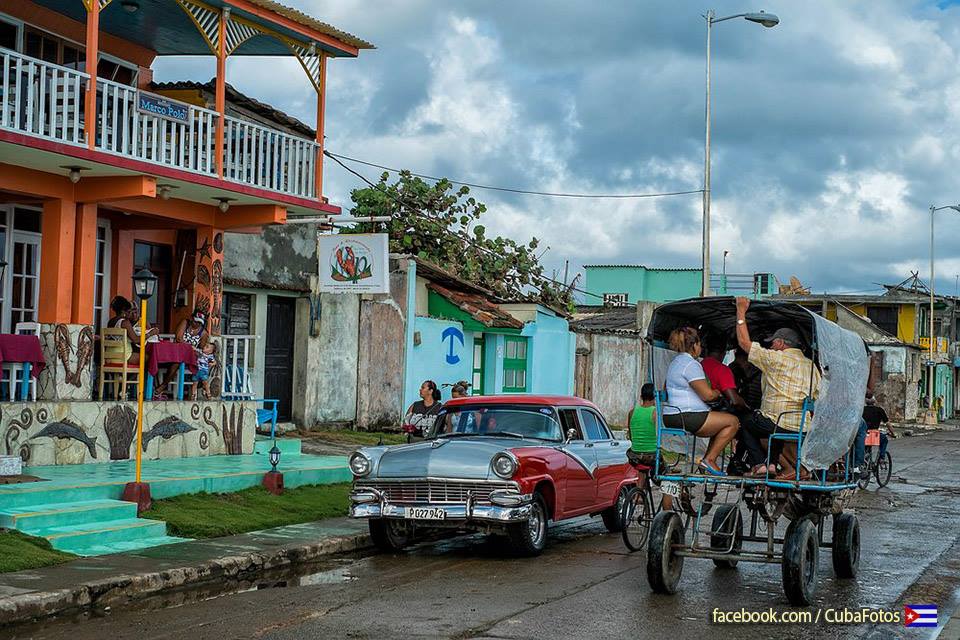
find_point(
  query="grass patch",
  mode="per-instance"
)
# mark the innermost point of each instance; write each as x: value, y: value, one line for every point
x: 348, y: 436
x: 206, y: 515
x: 19, y: 552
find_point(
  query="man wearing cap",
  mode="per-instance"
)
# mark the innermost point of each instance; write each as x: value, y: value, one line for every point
x: 787, y: 375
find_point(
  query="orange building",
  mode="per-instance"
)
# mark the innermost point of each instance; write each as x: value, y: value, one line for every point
x: 100, y: 177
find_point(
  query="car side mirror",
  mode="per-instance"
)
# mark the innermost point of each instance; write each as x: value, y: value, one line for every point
x: 571, y: 434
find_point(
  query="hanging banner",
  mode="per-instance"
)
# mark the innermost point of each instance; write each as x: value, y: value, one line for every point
x: 354, y: 263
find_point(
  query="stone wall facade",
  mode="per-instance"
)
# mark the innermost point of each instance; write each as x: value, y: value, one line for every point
x: 68, y: 350
x: 46, y: 433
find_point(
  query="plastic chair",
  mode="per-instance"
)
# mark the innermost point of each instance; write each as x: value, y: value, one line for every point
x: 15, y: 370
x: 115, y: 352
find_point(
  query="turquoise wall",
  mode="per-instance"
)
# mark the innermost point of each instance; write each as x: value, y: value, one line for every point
x: 433, y: 358
x: 551, y: 352
x: 640, y: 283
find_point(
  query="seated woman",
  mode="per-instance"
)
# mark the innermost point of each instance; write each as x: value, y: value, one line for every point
x: 687, y: 395
x: 126, y: 316
x: 190, y: 331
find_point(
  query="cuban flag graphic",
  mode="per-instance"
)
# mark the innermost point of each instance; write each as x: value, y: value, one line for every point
x: 920, y: 615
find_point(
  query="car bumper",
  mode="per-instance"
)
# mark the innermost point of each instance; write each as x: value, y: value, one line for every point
x: 369, y: 503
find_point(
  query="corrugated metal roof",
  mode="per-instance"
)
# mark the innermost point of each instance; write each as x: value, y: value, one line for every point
x: 307, y: 21
x: 620, y: 320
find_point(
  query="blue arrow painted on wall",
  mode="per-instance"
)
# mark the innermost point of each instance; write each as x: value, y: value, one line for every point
x: 453, y: 334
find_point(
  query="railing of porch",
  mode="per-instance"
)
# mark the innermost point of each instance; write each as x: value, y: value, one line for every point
x: 269, y: 159
x: 124, y: 130
x: 235, y: 355
x: 41, y: 99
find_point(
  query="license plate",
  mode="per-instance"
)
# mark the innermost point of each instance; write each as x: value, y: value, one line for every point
x: 670, y: 488
x: 424, y: 513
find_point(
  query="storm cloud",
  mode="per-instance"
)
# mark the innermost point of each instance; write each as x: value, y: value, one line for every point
x: 833, y: 132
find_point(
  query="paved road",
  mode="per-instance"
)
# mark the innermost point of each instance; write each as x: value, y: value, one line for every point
x: 584, y: 586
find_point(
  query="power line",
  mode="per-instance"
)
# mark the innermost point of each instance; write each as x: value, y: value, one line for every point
x: 464, y: 238
x: 621, y: 196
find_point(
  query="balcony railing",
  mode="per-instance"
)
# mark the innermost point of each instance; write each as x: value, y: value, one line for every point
x: 41, y: 99
x: 47, y: 100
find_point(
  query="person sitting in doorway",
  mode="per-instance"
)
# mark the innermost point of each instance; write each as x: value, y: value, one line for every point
x: 789, y: 377
x: 687, y: 395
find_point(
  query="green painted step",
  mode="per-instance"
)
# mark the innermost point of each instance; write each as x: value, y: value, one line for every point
x: 287, y: 446
x: 130, y: 545
x: 42, y: 493
x: 79, y: 538
x: 39, y: 516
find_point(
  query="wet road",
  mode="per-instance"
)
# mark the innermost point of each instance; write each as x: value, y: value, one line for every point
x: 585, y: 585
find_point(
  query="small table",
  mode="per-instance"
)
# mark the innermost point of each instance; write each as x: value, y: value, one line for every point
x: 25, y: 350
x: 165, y: 353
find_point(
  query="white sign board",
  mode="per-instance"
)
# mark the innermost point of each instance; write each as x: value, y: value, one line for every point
x: 354, y: 263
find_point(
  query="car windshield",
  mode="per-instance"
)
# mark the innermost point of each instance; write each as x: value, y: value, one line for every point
x: 523, y: 421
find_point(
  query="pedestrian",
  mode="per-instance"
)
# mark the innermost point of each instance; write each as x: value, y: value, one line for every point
x: 459, y: 389
x: 420, y: 414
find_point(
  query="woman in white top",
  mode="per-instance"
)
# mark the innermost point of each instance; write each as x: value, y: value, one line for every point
x: 687, y: 395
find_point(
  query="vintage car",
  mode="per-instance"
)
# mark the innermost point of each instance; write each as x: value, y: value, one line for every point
x: 495, y: 464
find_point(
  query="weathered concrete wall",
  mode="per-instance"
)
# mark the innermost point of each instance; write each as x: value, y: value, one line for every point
x: 382, y: 339
x: 897, y: 390
x: 282, y: 256
x: 610, y: 373
x: 329, y: 384
x: 44, y: 433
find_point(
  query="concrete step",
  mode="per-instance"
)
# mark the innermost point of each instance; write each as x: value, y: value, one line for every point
x: 130, y: 545
x: 287, y: 446
x: 80, y: 538
x: 60, y: 514
x: 43, y: 493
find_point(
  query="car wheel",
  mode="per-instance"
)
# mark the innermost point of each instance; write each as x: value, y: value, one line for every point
x: 613, y: 516
x: 530, y: 537
x: 389, y: 535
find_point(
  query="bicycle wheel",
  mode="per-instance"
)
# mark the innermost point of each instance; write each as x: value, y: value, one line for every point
x: 866, y: 468
x: 883, y: 469
x: 637, y: 515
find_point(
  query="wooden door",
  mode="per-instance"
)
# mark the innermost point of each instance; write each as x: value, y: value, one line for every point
x: 278, y: 353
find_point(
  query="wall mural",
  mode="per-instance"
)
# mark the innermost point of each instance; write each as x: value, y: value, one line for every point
x: 121, y: 427
x: 167, y: 428
x: 17, y: 427
x: 231, y: 426
x: 67, y: 430
x: 64, y: 348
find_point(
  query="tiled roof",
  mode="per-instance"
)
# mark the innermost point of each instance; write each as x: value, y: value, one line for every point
x: 618, y: 320
x: 478, y: 307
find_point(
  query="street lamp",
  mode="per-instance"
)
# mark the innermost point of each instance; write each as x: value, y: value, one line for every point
x: 933, y: 366
x: 767, y: 20
x: 144, y: 286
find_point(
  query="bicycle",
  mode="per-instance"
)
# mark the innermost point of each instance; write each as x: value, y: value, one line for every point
x: 880, y: 467
x: 639, y: 508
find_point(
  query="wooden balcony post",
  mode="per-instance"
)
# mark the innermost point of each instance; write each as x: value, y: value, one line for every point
x: 321, y: 108
x: 56, y: 261
x: 93, y: 45
x: 84, y: 264
x: 221, y: 91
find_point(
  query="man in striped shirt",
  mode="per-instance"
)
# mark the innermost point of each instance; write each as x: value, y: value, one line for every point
x: 789, y: 377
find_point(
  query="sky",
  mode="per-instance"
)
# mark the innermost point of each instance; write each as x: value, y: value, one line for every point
x: 833, y: 132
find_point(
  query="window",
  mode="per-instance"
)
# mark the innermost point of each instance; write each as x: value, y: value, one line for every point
x: 515, y: 365
x: 24, y: 266
x: 235, y: 314
x: 9, y: 35
x: 101, y: 278
x: 47, y: 46
x: 568, y: 420
x: 592, y: 426
x: 476, y: 383
x: 884, y: 317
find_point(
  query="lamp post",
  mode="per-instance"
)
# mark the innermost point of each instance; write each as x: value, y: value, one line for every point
x: 767, y: 20
x: 933, y: 365
x: 144, y: 286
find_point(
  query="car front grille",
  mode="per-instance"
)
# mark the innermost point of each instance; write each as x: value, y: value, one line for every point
x: 435, y: 491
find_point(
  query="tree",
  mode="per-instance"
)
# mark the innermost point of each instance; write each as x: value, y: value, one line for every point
x: 438, y: 223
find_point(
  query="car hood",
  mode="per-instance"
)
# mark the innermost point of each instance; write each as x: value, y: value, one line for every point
x: 466, y: 458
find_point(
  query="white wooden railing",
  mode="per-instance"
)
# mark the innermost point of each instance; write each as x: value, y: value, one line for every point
x: 124, y: 130
x: 236, y: 352
x: 269, y: 159
x: 41, y: 99
x: 48, y: 100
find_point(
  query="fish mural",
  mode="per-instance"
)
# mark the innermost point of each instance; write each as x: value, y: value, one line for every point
x: 66, y: 430
x: 167, y: 428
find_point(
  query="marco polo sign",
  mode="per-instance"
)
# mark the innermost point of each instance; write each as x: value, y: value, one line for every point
x: 162, y: 108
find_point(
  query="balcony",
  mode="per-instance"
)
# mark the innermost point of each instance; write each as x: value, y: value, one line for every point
x: 47, y: 101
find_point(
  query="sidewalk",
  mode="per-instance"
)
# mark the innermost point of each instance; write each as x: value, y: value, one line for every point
x: 103, y: 580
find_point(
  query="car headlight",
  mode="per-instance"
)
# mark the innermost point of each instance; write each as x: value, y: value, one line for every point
x: 504, y: 465
x: 360, y: 464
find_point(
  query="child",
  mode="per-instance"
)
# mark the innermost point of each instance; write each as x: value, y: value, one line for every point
x: 205, y: 360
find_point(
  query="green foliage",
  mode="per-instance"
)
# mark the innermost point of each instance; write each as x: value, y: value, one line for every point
x: 205, y: 515
x: 19, y: 552
x: 438, y: 223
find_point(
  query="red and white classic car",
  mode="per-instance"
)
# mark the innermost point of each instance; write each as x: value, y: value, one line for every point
x: 495, y: 464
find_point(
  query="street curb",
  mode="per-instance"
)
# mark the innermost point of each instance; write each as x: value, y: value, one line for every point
x: 34, y: 606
